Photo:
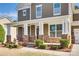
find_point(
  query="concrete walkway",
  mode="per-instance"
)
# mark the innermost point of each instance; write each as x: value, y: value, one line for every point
x: 75, y: 50
x: 51, y: 52
x: 25, y: 50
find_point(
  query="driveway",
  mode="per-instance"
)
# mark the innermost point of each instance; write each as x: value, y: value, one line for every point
x: 75, y: 50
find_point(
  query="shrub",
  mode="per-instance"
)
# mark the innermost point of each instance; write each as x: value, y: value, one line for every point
x: 2, y: 34
x: 39, y: 42
x: 42, y: 46
x: 55, y: 47
x: 11, y: 45
x: 64, y: 42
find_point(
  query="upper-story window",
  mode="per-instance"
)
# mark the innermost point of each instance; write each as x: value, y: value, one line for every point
x: 24, y: 12
x: 56, y: 9
x: 76, y: 5
x: 38, y: 11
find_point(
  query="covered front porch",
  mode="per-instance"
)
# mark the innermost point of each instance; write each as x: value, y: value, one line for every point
x: 47, y: 29
x: 33, y: 31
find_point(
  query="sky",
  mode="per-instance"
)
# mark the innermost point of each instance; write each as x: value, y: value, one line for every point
x: 8, y: 9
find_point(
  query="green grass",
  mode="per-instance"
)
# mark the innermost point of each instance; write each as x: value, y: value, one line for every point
x: 2, y: 33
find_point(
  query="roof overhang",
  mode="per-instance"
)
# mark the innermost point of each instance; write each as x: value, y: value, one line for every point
x: 44, y: 20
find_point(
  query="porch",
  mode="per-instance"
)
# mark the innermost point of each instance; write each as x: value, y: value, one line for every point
x: 49, y: 31
x: 34, y: 31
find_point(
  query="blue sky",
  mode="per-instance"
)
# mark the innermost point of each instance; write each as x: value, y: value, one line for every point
x: 8, y: 9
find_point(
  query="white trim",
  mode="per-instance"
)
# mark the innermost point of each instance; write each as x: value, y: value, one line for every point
x: 30, y: 12
x: 41, y: 26
x: 30, y: 30
x: 54, y: 10
x: 41, y: 11
x: 25, y: 29
x: 24, y: 12
x: 8, y: 29
x: 55, y: 31
x: 35, y: 30
x: 23, y: 8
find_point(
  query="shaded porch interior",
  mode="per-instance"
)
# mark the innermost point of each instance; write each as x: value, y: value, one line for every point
x: 33, y: 32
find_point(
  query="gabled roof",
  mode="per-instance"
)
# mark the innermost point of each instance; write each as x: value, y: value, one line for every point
x: 9, y: 18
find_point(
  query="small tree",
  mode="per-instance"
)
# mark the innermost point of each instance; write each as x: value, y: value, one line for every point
x: 2, y: 34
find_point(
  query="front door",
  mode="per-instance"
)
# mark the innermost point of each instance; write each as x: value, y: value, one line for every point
x: 76, y: 35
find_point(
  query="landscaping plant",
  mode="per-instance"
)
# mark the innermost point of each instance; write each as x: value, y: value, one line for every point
x: 2, y: 34
x: 11, y: 45
x: 55, y: 47
x: 64, y: 43
x: 42, y: 46
x: 38, y: 42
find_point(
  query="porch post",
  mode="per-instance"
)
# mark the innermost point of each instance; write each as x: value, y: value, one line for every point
x: 41, y: 31
x: 65, y: 29
x: 8, y: 28
x: 25, y: 35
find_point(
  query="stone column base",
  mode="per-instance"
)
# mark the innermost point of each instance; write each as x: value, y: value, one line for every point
x: 25, y: 40
x: 64, y: 36
x: 8, y: 39
x: 41, y: 37
x: 32, y: 38
x: 44, y: 37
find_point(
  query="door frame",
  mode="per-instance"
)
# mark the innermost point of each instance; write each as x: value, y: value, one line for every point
x: 75, y: 36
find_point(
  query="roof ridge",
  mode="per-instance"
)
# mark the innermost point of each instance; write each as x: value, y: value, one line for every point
x: 8, y: 17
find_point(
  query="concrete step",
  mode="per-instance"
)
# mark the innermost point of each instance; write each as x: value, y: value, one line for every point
x: 30, y: 44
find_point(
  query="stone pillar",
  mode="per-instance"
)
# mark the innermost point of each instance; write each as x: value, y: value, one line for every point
x: 8, y: 33
x: 25, y: 35
x: 41, y: 31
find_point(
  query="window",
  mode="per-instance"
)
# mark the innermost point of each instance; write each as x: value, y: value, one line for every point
x: 24, y: 12
x: 76, y: 5
x: 56, y: 30
x: 59, y: 30
x: 56, y: 9
x: 52, y: 30
x: 38, y: 11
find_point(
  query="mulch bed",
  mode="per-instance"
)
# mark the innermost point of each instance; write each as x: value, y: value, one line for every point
x: 62, y: 49
x: 65, y: 49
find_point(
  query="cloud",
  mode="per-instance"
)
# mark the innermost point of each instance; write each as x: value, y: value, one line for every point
x: 13, y: 15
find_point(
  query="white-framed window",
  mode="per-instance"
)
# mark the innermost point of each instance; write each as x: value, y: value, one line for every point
x: 24, y: 12
x: 56, y: 30
x: 56, y: 8
x: 39, y: 11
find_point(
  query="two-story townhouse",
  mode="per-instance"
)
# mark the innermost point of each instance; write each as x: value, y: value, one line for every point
x: 47, y: 20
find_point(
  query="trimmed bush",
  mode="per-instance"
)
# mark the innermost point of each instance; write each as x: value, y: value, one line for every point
x: 11, y: 45
x: 42, y: 46
x: 39, y: 42
x: 55, y: 47
x: 64, y: 43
